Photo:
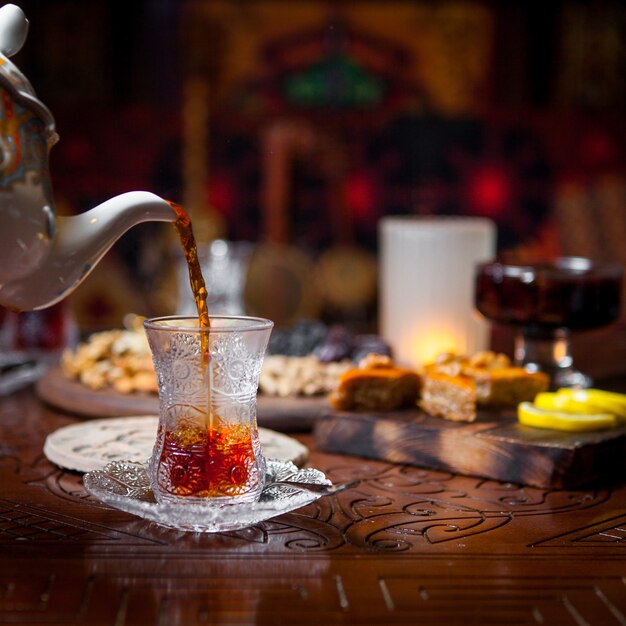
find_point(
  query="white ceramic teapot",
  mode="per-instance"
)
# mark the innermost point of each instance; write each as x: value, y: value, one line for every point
x: 43, y: 257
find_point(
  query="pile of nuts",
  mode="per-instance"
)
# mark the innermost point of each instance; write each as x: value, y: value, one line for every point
x: 118, y: 359
x: 285, y: 376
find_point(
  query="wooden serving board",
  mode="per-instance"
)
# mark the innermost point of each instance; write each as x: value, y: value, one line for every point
x: 495, y: 446
x: 283, y: 414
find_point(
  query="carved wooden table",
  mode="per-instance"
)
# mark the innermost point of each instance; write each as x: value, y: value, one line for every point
x: 408, y: 546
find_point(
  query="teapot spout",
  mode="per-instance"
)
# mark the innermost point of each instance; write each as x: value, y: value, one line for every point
x: 79, y: 243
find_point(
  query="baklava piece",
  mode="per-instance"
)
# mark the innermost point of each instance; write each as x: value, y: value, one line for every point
x: 376, y: 385
x: 454, y: 387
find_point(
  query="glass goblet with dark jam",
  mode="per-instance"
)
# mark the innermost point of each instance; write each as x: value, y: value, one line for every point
x: 547, y: 301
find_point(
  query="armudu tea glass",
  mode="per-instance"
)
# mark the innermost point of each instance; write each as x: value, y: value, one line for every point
x: 207, y: 449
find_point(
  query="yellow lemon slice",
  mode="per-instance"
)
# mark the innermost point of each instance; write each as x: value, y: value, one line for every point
x: 530, y: 415
x: 553, y: 401
x: 606, y: 401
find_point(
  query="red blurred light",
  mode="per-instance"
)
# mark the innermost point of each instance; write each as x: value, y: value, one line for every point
x: 222, y: 194
x: 489, y: 191
x: 360, y: 196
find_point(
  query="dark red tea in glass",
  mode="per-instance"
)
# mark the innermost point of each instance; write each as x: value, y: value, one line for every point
x: 546, y: 301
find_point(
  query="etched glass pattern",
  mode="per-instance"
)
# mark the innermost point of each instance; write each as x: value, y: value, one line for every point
x: 207, y: 447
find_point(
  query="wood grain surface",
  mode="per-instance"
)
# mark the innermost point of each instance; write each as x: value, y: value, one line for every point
x: 407, y: 546
x: 496, y: 446
x: 284, y: 414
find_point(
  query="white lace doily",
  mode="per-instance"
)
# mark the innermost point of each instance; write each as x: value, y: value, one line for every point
x: 91, y: 445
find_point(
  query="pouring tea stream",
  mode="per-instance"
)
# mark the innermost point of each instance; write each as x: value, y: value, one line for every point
x: 44, y: 257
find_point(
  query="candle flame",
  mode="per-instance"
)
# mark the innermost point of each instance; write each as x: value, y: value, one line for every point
x: 426, y: 346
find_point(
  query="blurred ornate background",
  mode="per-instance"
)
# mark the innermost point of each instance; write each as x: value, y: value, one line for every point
x: 297, y: 125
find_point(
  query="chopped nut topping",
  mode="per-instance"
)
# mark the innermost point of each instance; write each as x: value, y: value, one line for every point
x: 375, y: 361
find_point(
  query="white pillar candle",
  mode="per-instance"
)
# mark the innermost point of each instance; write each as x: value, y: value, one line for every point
x: 426, y: 298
